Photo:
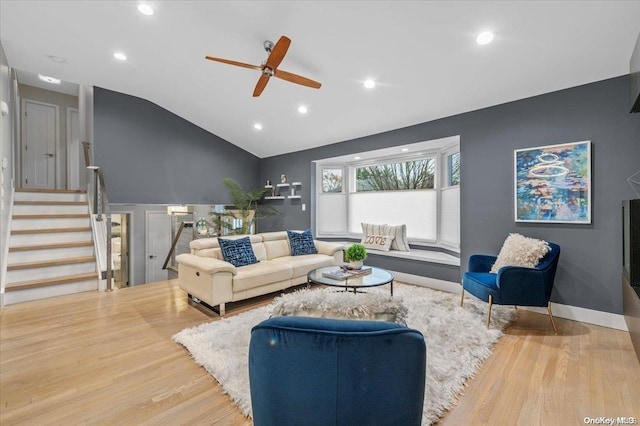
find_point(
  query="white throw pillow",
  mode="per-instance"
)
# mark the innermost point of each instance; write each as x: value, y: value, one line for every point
x: 519, y: 250
x: 377, y: 242
x: 372, y: 229
x: 399, y: 234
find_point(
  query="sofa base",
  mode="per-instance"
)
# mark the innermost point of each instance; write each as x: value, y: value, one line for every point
x: 220, y: 309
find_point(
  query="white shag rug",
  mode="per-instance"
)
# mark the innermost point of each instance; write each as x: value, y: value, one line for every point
x: 457, y: 342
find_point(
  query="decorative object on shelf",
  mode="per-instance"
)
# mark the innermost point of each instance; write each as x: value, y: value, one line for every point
x: 283, y: 178
x: 248, y: 209
x: 553, y: 183
x: 267, y: 183
x: 293, y: 190
x: 355, y: 254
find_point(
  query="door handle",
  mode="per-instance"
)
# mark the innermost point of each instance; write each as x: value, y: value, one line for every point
x: 152, y: 256
x: 50, y: 155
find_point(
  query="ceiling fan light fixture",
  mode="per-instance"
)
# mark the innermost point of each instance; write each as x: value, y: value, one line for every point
x: 145, y: 9
x: 369, y: 83
x: 50, y: 80
x: 484, y: 37
x: 120, y: 56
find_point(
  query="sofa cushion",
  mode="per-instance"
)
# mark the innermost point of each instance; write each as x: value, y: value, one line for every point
x: 277, y: 248
x: 301, y: 243
x: 259, y: 274
x: 238, y: 252
x: 303, y: 264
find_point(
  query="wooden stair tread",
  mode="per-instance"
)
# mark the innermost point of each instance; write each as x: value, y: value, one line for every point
x: 56, y: 262
x: 51, y: 246
x: 22, y: 285
x: 50, y: 230
x: 50, y: 203
x: 52, y: 216
x: 53, y: 191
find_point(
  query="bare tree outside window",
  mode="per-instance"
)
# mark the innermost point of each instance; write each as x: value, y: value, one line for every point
x: 331, y: 180
x: 454, y: 169
x: 416, y: 174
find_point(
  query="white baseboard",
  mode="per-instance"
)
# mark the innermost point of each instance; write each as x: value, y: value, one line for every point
x: 575, y: 313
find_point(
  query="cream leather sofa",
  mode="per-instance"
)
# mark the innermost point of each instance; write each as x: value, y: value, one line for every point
x: 204, y: 274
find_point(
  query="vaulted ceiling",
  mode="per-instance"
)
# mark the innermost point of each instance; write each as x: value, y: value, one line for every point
x: 422, y: 55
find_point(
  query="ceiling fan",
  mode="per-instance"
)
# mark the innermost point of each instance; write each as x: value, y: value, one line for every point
x: 269, y: 67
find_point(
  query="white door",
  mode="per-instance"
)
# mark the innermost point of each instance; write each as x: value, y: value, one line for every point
x: 39, y: 141
x: 158, y: 245
x: 76, y: 172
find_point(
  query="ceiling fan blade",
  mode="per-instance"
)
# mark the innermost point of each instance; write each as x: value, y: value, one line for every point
x: 295, y: 78
x: 230, y: 62
x: 277, y: 53
x: 262, y: 83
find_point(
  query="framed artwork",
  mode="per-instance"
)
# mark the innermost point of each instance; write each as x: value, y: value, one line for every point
x: 553, y: 183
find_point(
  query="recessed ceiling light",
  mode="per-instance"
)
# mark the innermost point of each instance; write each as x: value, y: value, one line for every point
x: 356, y: 158
x: 369, y: 84
x: 120, y: 56
x: 405, y: 149
x: 145, y: 9
x: 57, y: 59
x: 50, y: 80
x: 302, y: 109
x: 484, y: 37
x: 257, y: 126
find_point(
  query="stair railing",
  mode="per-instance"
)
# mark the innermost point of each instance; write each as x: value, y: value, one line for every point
x: 97, y: 192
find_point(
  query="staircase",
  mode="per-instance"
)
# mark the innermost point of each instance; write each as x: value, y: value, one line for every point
x: 50, y: 246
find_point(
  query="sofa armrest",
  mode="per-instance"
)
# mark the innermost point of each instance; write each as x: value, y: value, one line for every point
x: 325, y: 247
x: 207, y: 265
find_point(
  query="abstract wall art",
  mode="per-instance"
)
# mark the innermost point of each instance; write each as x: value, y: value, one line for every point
x: 553, y: 183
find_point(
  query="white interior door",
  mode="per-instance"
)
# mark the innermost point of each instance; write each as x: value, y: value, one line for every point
x: 75, y: 171
x: 39, y: 141
x: 158, y: 245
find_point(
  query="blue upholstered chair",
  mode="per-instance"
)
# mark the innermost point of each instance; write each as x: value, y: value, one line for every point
x: 318, y: 371
x: 512, y: 285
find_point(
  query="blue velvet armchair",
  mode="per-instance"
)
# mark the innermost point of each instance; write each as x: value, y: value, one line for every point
x: 512, y: 285
x: 318, y: 371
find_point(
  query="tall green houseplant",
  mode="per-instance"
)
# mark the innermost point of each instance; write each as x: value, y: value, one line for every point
x: 248, y: 209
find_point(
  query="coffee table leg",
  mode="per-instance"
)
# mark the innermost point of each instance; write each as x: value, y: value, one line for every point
x: 392, y: 287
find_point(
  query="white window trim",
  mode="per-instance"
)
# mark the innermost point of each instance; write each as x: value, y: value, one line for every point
x: 348, y: 164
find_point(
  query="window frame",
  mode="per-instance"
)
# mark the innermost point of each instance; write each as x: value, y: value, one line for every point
x: 349, y: 165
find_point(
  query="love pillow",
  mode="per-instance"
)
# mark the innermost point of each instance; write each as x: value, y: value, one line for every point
x: 377, y: 242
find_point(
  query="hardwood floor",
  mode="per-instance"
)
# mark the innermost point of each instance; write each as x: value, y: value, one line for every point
x: 108, y: 358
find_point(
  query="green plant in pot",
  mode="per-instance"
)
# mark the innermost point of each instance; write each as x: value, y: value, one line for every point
x: 248, y: 209
x: 355, y: 254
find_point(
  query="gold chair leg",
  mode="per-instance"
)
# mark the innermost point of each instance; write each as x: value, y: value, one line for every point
x: 462, y: 297
x: 490, y: 305
x: 553, y: 323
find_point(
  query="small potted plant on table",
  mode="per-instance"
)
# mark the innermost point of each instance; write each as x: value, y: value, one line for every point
x: 355, y: 254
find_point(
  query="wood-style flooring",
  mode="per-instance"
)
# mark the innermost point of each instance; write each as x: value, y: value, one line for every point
x: 108, y: 358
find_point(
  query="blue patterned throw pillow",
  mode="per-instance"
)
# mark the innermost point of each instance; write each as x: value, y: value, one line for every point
x: 301, y: 243
x: 238, y: 252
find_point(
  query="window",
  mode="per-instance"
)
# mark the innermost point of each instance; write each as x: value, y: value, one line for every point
x: 453, y: 169
x: 331, y: 180
x: 419, y: 188
x: 397, y: 176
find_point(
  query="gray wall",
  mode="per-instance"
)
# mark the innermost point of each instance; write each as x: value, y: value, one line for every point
x: 150, y: 155
x: 590, y: 264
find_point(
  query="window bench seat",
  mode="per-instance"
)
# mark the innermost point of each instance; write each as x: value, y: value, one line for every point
x: 419, y: 266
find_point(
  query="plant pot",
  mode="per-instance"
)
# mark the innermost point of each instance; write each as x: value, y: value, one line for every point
x: 355, y: 264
